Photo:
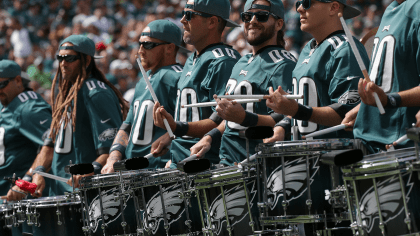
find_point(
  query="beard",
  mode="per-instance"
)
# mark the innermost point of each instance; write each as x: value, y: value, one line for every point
x: 267, y: 34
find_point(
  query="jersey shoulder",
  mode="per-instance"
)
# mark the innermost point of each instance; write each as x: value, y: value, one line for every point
x: 171, y: 74
x: 93, y: 86
x: 220, y: 52
x: 29, y: 98
x: 273, y: 58
x: 412, y: 9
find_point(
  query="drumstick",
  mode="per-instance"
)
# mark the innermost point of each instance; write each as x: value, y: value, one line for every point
x: 262, y: 96
x: 212, y: 104
x: 3, y: 197
x: 251, y: 158
x: 400, y: 140
x: 155, y: 99
x: 325, y: 131
x: 50, y: 176
x: 190, y: 158
x: 359, y: 61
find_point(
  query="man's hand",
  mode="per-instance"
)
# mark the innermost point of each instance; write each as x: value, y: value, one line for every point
x: 350, y: 118
x: 160, y: 146
x: 229, y: 110
x: 202, y: 147
x: 278, y: 135
x: 280, y: 104
x: 159, y: 113
x: 76, y: 179
x: 14, y: 196
x: 40, y: 182
x: 366, y: 90
x: 109, y: 166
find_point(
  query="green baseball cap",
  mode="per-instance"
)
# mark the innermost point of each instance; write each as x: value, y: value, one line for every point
x: 81, y: 44
x: 276, y: 7
x: 164, y: 30
x: 10, y: 69
x: 219, y: 8
x: 348, y: 12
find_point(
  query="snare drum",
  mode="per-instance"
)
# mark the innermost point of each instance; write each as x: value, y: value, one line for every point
x: 6, y: 221
x: 58, y: 215
x: 295, y: 182
x: 165, y: 203
x: 228, y: 201
x: 384, y: 193
x: 108, y: 198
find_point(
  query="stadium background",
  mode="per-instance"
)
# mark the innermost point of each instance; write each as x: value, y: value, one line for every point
x: 30, y: 31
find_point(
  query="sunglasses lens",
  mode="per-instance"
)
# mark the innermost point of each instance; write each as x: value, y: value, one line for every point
x: 246, y: 16
x: 187, y: 15
x: 306, y: 4
x: 148, y: 45
x: 262, y: 16
x: 4, y: 84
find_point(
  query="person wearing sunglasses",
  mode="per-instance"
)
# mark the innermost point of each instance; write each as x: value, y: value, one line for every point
x: 25, y: 118
x: 326, y: 73
x: 205, y: 73
x: 269, y: 65
x: 159, y: 44
x: 394, y: 72
x: 86, y: 101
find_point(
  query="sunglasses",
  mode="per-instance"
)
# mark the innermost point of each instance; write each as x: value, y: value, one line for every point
x: 188, y: 14
x: 150, y: 45
x: 262, y: 16
x: 3, y: 84
x: 68, y: 58
x: 306, y: 4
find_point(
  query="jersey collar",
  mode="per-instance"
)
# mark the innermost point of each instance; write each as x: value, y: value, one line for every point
x: 262, y: 49
x: 314, y: 45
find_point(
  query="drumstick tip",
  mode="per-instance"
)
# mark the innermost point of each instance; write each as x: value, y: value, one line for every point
x: 340, y: 15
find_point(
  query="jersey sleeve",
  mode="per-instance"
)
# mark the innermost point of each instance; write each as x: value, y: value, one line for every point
x: 105, y: 119
x: 35, y: 121
x: 345, y: 73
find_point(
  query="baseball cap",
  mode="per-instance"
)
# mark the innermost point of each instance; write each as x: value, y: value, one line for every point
x: 276, y: 7
x: 219, y: 8
x: 164, y: 30
x: 348, y: 12
x: 81, y: 44
x: 10, y: 69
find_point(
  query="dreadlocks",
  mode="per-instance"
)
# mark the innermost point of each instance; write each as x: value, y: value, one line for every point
x: 66, y: 99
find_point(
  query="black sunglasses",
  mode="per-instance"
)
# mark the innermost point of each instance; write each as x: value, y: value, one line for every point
x: 68, y: 58
x: 150, y: 45
x: 306, y: 4
x: 3, y: 84
x: 188, y: 14
x: 262, y: 16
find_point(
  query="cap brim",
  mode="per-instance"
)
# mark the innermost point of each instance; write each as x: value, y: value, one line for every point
x: 230, y: 23
x: 350, y: 12
x: 25, y: 76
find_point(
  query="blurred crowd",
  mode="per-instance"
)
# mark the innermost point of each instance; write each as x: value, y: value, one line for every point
x: 31, y: 30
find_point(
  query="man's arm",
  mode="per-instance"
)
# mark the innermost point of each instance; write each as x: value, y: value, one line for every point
x: 204, y: 145
x: 120, y: 143
x: 44, y: 158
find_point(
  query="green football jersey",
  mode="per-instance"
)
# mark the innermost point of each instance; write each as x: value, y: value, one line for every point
x: 24, y: 124
x: 272, y: 66
x: 144, y: 132
x: 395, y: 67
x: 203, y: 76
x: 98, y: 119
x: 327, y: 74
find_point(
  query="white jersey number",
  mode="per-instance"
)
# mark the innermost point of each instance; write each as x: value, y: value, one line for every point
x: 244, y: 87
x: 2, y: 148
x: 144, y: 117
x: 307, y: 88
x: 383, y: 51
x: 65, y: 138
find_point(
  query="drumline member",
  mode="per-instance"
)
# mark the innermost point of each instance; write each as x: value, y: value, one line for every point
x: 395, y: 77
x: 206, y: 72
x: 269, y: 65
x: 159, y: 44
x: 24, y: 122
x: 87, y: 112
x: 326, y: 72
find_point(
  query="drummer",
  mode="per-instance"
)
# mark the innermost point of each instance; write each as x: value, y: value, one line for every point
x: 87, y: 114
x: 25, y: 119
x: 269, y: 65
x: 326, y: 74
x: 159, y: 44
x: 398, y: 76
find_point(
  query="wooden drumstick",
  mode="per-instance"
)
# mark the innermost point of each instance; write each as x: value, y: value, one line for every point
x: 325, y: 131
x: 359, y: 61
x: 213, y: 104
x: 190, y: 158
x: 261, y: 96
x: 50, y: 176
x: 155, y: 99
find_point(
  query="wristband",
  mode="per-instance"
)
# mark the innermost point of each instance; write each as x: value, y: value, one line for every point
x: 304, y: 113
x: 394, y: 100
x: 216, y: 136
x: 251, y: 119
x: 286, y: 123
x: 117, y: 147
x: 48, y: 142
x: 27, y: 178
x: 181, y: 128
x: 97, y: 167
x: 40, y: 169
